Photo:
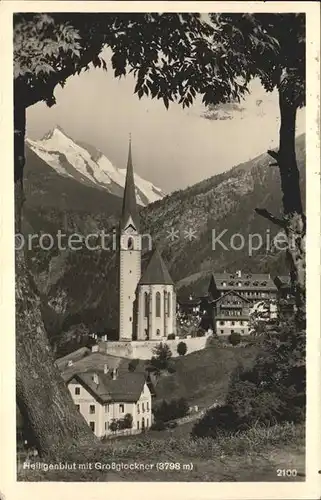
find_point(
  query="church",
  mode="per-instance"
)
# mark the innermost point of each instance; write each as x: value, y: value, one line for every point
x: 147, y: 301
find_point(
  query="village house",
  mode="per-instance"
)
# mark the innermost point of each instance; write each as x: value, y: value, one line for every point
x: 231, y: 314
x: 112, y: 399
x: 286, y: 297
x: 230, y: 301
x: 252, y: 287
x: 193, y: 313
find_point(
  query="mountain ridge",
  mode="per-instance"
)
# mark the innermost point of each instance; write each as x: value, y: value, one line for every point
x: 86, y: 164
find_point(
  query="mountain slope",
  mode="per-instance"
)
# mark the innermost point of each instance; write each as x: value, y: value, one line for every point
x: 88, y: 166
x: 82, y: 286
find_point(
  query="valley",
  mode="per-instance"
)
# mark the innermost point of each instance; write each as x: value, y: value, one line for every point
x: 79, y: 290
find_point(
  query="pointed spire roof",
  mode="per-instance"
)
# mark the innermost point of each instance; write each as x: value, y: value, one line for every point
x: 156, y: 272
x: 129, y: 201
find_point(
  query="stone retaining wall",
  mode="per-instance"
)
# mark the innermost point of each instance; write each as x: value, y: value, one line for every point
x: 144, y: 349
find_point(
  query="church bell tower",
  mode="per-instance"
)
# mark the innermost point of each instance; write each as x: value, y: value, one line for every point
x: 130, y: 255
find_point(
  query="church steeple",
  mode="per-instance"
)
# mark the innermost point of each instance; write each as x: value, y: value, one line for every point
x: 129, y: 211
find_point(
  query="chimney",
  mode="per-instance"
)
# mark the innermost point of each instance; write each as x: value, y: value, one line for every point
x: 105, y: 368
x: 95, y: 378
x: 95, y: 348
x: 70, y: 362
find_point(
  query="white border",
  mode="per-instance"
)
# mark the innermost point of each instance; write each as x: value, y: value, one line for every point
x: 9, y: 487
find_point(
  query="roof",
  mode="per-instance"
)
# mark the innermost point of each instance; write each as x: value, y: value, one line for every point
x: 93, y: 361
x: 129, y: 201
x: 127, y: 387
x: 156, y: 272
x: 248, y: 281
x: 189, y: 302
x: 232, y: 318
x: 73, y: 356
x: 282, y: 281
x: 231, y: 292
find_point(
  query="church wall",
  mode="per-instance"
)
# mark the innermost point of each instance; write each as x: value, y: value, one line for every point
x: 170, y: 319
x: 143, y: 321
x: 157, y: 330
x: 144, y: 349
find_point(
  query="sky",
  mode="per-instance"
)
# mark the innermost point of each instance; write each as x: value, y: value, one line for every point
x: 172, y: 148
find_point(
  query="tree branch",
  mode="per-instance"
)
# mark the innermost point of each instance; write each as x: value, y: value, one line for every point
x: 267, y: 215
x: 43, y: 90
x: 274, y: 155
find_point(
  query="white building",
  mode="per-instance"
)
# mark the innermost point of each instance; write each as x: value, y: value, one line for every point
x: 106, y: 393
x: 147, y: 303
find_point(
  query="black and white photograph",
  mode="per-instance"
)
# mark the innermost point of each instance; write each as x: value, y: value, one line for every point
x: 162, y: 313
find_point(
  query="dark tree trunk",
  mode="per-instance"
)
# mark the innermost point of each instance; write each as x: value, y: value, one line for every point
x: 58, y: 429
x: 295, y: 221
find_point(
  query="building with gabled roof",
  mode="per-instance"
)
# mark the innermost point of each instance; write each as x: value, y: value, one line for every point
x: 286, y: 296
x: 231, y: 314
x: 106, y: 393
x: 156, y: 301
x: 156, y: 272
x: 147, y: 303
x: 253, y: 287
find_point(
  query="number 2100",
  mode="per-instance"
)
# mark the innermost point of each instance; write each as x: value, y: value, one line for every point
x: 286, y: 472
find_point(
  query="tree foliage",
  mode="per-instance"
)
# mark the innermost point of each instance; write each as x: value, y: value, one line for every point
x: 162, y: 355
x: 270, y: 392
x: 170, y: 410
x: 235, y: 338
x: 173, y: 56
x: 182, y: 348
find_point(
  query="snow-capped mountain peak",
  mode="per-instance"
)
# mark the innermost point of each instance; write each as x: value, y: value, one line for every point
x: 87, y: 165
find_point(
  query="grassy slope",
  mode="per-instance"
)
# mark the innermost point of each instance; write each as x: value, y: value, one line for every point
x: 254, y: 455
x: 202, y: 377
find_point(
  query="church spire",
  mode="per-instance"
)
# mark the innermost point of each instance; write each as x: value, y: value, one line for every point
x: 129, y: 211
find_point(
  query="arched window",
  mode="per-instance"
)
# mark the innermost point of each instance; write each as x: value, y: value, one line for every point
x: 169, y: 303
x: 165, y: 303
x: 130, y: 243
x: 146, y: 304
x: 158, y: 305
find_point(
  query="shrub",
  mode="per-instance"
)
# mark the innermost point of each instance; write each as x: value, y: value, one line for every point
x: 222, y: 419
x: 171, y: 336
x: 114, y: 426
x: 171, y: 368
x: 132, y: 365
x: 200, y: 332
x: 158, y: 425
x: 166, y: 411
x: 234, y: 338
x: 182, y: 348
x: 162, y: 355
x: 122, y: 423
x: 128, y: 421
